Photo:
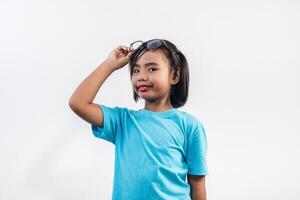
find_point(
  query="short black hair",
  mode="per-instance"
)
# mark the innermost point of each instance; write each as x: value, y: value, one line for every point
x: 177, y: 60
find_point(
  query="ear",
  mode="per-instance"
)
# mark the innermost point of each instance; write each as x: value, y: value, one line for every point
x: 175, y: 76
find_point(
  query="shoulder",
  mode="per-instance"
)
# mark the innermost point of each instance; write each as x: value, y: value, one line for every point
x: 192, y: 122
x: 190, y: 119
x: 116, y: 109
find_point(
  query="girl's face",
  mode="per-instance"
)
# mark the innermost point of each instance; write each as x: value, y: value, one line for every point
x: 153, y: 70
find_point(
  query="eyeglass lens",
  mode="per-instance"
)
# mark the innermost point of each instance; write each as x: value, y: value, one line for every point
x: 134, y: 46
x: 153, y: 44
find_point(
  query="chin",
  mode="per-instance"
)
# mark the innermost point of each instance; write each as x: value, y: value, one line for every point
x: 148, y: 98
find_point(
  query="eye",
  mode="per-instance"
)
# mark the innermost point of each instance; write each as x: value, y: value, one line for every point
x: 134, y: 71
x: 153, y: 69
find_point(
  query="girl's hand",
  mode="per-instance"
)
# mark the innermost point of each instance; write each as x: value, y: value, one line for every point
x: 119, y: 57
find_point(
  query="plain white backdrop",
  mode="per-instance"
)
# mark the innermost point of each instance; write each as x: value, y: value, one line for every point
x: 245, y: 88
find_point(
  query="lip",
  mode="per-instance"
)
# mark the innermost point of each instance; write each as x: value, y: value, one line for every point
x: 143, y: 88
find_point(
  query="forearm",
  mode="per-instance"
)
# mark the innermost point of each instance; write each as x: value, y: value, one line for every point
x: 198, y: 193
x: 86, y: 92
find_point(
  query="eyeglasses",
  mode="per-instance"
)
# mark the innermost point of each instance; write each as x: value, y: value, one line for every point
x: 152, y: 44
x: 139, y: 45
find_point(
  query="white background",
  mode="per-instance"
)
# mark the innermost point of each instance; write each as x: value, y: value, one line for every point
x: 244, y: 69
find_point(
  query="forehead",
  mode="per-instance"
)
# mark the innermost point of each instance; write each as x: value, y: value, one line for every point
x: 156, y: 56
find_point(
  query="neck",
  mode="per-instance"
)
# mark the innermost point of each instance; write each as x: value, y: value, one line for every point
x: 159, y: 106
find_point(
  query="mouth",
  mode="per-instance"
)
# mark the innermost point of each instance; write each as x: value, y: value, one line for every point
x: 143, y: 88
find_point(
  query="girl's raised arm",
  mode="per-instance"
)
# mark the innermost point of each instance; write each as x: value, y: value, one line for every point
x: 81, y: 101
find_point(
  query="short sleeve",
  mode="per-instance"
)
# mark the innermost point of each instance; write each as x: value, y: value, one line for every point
x: 111, y: 124
x: 196, y: 152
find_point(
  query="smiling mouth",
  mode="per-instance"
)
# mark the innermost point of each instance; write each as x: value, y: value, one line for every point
x: 143, y: 88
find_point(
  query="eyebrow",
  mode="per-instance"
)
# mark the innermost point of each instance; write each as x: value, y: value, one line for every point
x: 147, y: 64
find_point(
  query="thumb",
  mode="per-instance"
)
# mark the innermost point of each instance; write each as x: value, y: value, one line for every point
x: 129, y: 54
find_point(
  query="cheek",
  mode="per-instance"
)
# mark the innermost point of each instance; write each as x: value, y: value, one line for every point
x: 133, y: 84
x: 132, y: 79
x: 161, y: 82
x: 162, y: 77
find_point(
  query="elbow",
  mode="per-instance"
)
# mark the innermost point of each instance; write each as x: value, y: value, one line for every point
x: 76, y: 105
x: 73, y: 104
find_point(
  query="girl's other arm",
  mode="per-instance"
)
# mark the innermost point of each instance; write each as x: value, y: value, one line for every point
x: 197, y: 185
x: 81, y: 101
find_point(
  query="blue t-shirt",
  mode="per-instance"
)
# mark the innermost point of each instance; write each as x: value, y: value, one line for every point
x: 154, y: 152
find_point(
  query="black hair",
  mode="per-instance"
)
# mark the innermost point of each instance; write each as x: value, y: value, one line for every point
x: 177, y: 60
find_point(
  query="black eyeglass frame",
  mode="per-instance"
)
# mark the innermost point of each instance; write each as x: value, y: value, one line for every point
x: 158, y: 43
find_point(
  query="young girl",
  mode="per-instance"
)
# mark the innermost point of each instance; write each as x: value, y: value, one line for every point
x: 157, y: 147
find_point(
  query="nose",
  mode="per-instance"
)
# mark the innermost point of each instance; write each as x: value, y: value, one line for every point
x: 142, y: 76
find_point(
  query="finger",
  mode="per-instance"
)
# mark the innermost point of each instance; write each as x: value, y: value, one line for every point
x: 129, y: 54
x: 124, y: 51
x: 123, y: 47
